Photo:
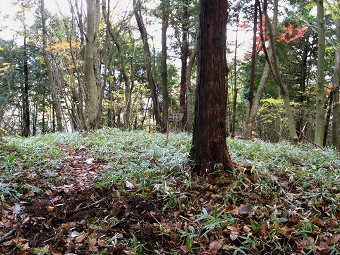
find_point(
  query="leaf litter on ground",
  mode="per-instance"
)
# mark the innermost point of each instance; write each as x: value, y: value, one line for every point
x: 117, y: 192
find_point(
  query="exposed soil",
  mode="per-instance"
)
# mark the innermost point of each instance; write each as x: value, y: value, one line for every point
x: 73, y: 215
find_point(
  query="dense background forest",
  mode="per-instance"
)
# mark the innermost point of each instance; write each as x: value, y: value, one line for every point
x: 133, y: 65
x: 90, y: 90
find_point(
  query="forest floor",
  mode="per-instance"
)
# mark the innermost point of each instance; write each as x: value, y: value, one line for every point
x: 116, y: 192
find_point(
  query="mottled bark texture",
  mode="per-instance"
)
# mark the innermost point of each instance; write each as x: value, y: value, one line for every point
x: 209, y: 152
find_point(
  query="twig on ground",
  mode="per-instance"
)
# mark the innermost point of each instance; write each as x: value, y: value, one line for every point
x: 88, y: 206
x: 12, y: 231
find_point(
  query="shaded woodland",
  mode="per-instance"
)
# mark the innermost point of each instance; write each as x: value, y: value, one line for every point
x: 116, y: 117
x: 109, y: 64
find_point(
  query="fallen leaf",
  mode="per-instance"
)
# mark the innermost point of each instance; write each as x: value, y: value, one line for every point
x: 286, y: 229
x: 50, y: 208
x: 89, y: 161
x: 101, y: 242
x: 216, y: 245
x: 129, y: 185
x: 74, y: 234
x: 16, y: 208
x: 92, y: 242
x: 232, y: 231
x: 184, y: 248
x: 80, y: 238
x: 246, y: 229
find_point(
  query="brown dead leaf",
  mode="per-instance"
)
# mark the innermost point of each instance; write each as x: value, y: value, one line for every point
x: 317, y: 222
x: 93, y: 242
x: 232, y: 231
x: 246, y: 229
x: 184, y: 248
x: 230, y: 208
x: 287, y: 229
x: 50, y: 208
x: 216, y: 245
x: 101, y: 243
x: 80, y: 238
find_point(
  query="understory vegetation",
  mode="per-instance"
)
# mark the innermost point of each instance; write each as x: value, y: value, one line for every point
x: 118, y: 192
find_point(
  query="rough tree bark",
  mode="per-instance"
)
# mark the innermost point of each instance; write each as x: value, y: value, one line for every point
x: 248, y: 124
x: 336, y: 87
x: 92, y: 92
x: 165, y: 92
x: 25, y: 93
x: 320, y: 90
x: 209, y: 150
x: 184, y: 63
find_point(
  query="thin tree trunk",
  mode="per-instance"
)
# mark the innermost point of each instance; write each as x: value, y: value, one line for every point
x: 235, y: 89
x: 328, y: 117
x: 259, y: 92
x: 150, y: 78
x: 92, y: 93
x: 184, y: 61
x: 190, y: 97
x: 320, y: 90
x: 302, y: 97
x: 35, y: 119
x: 165, y: 92
x: 336, y: 87
x: 43, y: 128
x: 248, y: 124
x: 55, y: 94
x: 25, y: 94
x: 209, y: 152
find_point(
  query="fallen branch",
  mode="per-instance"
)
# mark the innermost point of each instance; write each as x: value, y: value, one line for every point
x: 18, y: 226
x: 87, y: 207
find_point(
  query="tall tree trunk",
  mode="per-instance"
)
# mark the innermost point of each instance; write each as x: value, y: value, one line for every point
x: 328, y: 117
x: 259, y: 92
x: 55, y: 94
x: 320, y: 90
x: 190, y: 97
x: 25, y: 93
x: 235, y: 89
x: 165, y: 91
x: 277, y: 75
x: 302, y: 97
x: 92, y: 93
x: 184, y: 61
x: 43, y: 128
x: 248, y: 124
x: 209, y: 152
x: 336, y: 87
x: 152, y: 84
